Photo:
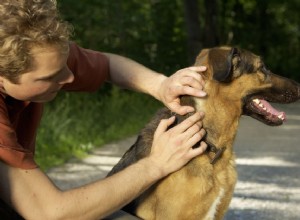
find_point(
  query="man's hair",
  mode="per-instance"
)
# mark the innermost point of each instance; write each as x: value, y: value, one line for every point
x: 25, y: 24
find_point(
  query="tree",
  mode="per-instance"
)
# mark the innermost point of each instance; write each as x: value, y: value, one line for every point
x: 193, y: 28
x: 211, y: 37
x: 167, y: 34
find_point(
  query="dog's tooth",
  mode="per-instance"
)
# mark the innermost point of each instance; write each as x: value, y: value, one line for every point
x: 260, y: 105
x: 256, y: 101
x: 264, y: 108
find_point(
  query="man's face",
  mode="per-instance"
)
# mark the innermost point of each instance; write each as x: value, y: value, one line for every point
x: 42, y: 82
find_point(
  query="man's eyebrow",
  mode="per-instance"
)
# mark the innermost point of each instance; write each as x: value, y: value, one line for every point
x: 50, y: 76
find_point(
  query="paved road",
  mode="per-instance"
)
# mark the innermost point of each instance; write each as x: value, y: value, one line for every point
x: 268, y: 163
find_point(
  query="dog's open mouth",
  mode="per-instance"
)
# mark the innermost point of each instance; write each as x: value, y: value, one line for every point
x: 262, y: 110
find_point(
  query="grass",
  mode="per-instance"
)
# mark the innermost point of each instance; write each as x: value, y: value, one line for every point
x: 73, y: 124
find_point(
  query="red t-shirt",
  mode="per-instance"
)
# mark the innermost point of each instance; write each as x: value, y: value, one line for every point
x: 19, y: 120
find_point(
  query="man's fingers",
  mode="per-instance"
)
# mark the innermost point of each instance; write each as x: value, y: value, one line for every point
x: 188, y: 73
x: 192, y: 82
x: 194, y: 134
x: 193, y: 152
x: 187, y: 90
x: 192, y: 74
x: 181, y: 110
x: 193, y: 92
x: 197, y: 68
x: 190, y: 121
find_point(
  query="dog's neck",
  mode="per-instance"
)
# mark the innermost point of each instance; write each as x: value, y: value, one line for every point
x: 215, y: 127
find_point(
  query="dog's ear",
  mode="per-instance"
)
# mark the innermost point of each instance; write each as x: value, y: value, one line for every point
x: 223, y: 62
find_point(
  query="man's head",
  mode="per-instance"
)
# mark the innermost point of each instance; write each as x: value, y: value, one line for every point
x: 33, y: 47
x: 25, y: 24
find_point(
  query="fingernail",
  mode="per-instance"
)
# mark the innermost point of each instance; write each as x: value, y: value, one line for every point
x: 202, y: 68
x: 202, y: 93
x: 189, y: 110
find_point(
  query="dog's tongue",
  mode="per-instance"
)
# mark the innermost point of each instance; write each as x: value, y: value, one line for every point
x: 272, y: 110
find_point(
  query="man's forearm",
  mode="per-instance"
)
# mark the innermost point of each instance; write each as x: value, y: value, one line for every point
x: 129, y: 74
x: 114, y: 192
x: 35, y: 197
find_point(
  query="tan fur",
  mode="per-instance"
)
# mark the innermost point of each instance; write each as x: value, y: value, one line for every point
x: 202, y: 190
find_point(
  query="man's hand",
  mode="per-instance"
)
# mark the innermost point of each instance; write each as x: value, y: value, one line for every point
x: 172, y: 149
x: 186, y: 81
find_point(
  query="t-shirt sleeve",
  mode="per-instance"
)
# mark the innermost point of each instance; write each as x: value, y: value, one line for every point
x: 11, y: 152
x: 90, y: 69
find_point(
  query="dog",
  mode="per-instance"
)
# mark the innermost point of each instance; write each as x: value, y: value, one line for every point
x: 237, y: 83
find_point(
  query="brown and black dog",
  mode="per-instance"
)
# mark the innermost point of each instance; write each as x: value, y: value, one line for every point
x: 237, y: 83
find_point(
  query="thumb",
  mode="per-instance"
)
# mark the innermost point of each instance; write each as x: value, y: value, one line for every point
x: 163, y: 125
x: 181, y: 110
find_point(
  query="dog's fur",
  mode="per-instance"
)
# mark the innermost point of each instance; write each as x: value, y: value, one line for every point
x: 203, y: 188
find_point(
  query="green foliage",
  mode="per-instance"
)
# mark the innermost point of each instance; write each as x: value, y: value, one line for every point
x: 268, y: 28
x: 155, y: 34
x: 74, y: 123
x: 150, y: 32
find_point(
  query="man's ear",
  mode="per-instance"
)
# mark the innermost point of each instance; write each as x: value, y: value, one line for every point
x: 221, y: 62
x: 1, y: 84
x: 1, y: 80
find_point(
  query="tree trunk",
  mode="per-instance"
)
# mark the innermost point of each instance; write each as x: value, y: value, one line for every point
x: 211, y: 38
x: 193, y: 29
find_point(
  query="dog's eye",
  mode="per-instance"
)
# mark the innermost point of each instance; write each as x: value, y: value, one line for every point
x: 264, y: 69
x: 264, y: 72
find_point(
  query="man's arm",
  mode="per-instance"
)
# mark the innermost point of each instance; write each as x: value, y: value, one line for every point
x: 34, y: 196
x: 129, y: 74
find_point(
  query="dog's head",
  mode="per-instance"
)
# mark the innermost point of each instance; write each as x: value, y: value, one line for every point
x: 240, y: 78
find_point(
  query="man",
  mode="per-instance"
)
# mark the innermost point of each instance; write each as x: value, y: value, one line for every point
x: 36, y: 61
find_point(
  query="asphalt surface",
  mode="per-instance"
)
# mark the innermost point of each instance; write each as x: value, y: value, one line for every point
x: 268, y: 164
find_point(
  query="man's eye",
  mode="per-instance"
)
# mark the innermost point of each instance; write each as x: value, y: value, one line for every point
x: 50, y: 78
x: 54, y: 77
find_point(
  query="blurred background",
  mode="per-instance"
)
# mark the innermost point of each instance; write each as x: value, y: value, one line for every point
x: 164, y: 35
